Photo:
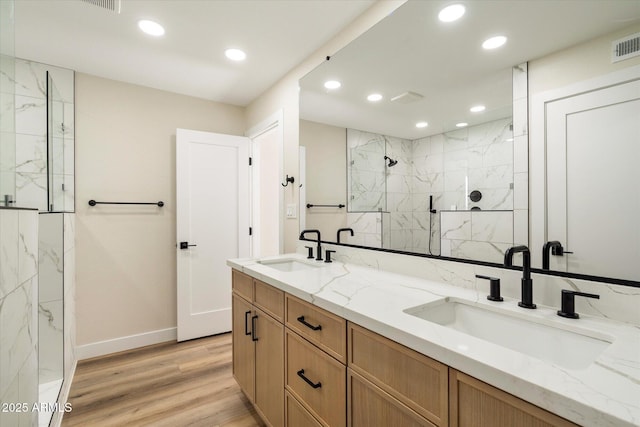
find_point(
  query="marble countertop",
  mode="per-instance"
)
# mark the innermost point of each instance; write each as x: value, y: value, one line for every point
x: 604, y: 393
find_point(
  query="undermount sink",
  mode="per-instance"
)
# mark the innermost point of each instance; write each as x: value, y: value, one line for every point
x: 288, y: 264
x: 573, y: 349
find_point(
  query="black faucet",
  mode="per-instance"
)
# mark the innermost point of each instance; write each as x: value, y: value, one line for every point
x: 319, y: 253
x: 555, y: 248
x: 340, y: 230
x: 526, y: 282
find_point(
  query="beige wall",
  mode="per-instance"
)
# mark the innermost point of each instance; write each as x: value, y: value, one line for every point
x: 125, y: 151
x: 284, y: 95
x: 326, y: 177
x: 578, y: 63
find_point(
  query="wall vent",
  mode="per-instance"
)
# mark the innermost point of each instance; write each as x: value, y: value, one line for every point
x: 112, y: 5
x: 625, y: 48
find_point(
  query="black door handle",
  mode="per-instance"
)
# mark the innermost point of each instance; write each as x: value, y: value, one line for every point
x: 253, y: 328
x: 185, y: 245
x: 309, y: 325
x: 246, y: 323
x: 307, y: 380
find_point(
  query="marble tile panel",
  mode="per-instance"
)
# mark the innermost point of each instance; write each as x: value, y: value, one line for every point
x: 497, y: 199
x: 9, y: 250
x: 27, y: 245
x: 445, y: 247
x: 69, y: 231
x: 437, y: 144
x: 31, y: 79
x: 520, y: 117
x: 454, y: 200
x: 399, y: 183
x: 492, y: 226
x: 69, y: 120
x: 491, y: 177
x: 498, y: 154
x: 7, y: 151
x: 31, y: 153
x: 51, y: 340
x: 421, y: 147
x: 420, y: 240
x: 401, y: 221
x: 69, y: 308
x: 401, y: 240
x: 69, y: 156
x: 367, y: 181
x: 31, y: 116
x: 372, y: 240
x: 11, y: 395
x: 487, y: 134
x: 367, y: 201
x: 69, y: 193
x: 31, y: 190
x: 17, y: 326
x: 7, y: 184
x: 481, y: 251
x: 455, y: 181
x: 432, y: 163
x: 455, y: 225
x: 520, y: 227
x: 521, y: 154
x: 399, y: 202
x: 521, y: 191
x: 520, y: 84
x: 361, y: 160
x: 51, y: 257
x: 363, y: 222
x: 7, y: 114
x: 365, y: 141
x: 398, y: 147
x: 456, y: 140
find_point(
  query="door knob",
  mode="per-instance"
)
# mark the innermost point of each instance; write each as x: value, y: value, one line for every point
x: 185, y: 245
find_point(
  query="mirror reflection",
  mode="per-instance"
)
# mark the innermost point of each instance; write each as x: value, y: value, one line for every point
x: 424, y: 134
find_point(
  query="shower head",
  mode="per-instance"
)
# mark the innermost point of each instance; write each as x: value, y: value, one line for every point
x: 391, y: 161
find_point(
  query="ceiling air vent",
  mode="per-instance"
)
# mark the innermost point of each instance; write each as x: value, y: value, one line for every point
x: 112, y: 5
x: 625, y: 48
x: 407, y: 98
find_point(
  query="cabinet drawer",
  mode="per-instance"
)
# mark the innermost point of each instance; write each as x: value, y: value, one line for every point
x: 297, y: 416
x: 269, y: 299
x: 242, y: 284
x: 317, y: 380
x: 416, y: 380
x: 369, y: 406
x: 324, y: 329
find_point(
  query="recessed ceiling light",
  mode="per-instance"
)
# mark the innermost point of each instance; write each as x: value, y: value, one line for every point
x: 494, y: 42
x: 477, y: 108
x: 374, y: 97
x: 150, y: 27
x: 462, y: 124
x: 235, y: 54
x: 332, y: 84
x: 451, y: 13
x: 422, y: 124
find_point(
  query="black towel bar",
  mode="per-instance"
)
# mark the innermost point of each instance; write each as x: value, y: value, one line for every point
x: 93, y: 203
x: 340, y: 206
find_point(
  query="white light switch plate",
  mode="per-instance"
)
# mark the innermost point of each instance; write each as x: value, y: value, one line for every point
x: 291, y: 210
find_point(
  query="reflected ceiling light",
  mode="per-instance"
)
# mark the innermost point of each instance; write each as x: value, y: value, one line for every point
x: 235, y: 54
x: 332, y: 84
x: 462, y: 124
x: 374, y: 97
x: 451, y: 13
x: 477, y: 108
x: 494, y: 42
x: 422, y: 124
x: 150, y: 27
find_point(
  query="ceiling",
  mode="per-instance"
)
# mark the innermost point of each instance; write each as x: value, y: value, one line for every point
x: 411, y: 50
x: 189, y: 59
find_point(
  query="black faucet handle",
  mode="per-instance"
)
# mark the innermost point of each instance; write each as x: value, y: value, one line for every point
x: 494, y: 287
x: 568, y: 303
x: 309, y: 252
x: 327, y: 255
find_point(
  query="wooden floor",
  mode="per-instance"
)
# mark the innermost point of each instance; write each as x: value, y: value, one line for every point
x: 170, y: 384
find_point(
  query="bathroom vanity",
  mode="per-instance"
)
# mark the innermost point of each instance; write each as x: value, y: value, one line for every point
x: 341, y: 344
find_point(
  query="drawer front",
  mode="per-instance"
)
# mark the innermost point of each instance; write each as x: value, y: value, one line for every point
x: 369, y: 406
x: 317, y: 380
x: 242, y: 284
x: 297, y: 416
x: 269, y: 299
x: 416, y: 380
x: 326, y: 330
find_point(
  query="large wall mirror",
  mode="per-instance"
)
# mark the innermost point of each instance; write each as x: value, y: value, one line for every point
x: 397, y: 150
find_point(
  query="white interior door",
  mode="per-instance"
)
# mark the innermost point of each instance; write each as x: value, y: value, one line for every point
x: 212, y: 217
x: 593, y: 152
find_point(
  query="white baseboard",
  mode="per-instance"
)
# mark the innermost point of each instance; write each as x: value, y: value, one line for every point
x: 115, y: 345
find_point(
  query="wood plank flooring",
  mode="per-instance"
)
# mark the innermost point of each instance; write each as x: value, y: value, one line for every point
x: 169, y: 384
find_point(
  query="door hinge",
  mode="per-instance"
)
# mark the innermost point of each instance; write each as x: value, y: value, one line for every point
x: 250, y: 161
x: 250, y: 231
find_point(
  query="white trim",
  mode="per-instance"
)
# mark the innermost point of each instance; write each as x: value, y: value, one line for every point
x: 275, y: 120
x: 537, y: 147
x: 115, y: 345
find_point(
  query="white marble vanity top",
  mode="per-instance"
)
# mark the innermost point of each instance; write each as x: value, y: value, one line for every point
x: 604, y: 393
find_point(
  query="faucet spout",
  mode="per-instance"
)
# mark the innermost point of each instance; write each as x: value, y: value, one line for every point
x: 340, y: 230
x: 318, y: 240
x: 526, y: 282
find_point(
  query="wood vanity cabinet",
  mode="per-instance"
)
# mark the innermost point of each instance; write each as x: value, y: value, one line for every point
x: 258, y: 345
x: 474, y: 403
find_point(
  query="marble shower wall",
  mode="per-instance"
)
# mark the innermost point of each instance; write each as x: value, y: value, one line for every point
x: 366, y: 186
x: 7, y: 99
x: 30, y: 168
x: 18, y: 313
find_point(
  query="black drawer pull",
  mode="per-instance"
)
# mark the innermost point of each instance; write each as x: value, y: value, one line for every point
x: 307, y: 380
x: 253, y: 328
x: 309, y: 325
x: 246, y: 323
